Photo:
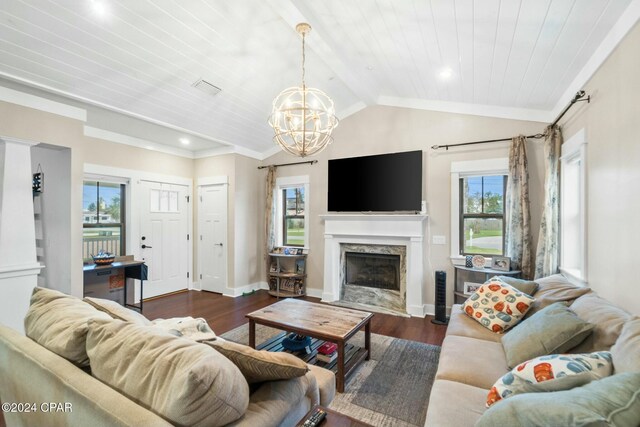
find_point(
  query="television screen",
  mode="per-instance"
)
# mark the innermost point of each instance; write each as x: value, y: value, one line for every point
x: 382, y: 183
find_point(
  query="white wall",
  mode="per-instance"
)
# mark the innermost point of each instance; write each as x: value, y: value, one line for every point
x: 380, y: 129
x: 53, y: 224
x: 612, y: 127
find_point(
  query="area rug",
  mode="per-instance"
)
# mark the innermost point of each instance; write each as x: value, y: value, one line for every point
x: 390, y: 390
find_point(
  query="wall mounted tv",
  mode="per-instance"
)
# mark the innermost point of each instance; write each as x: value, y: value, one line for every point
x: 382, y: 183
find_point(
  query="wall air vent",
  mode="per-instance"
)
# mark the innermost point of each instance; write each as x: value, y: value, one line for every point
x: 207, y: 87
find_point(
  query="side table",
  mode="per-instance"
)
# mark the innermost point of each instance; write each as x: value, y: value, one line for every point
x: 334, y: 419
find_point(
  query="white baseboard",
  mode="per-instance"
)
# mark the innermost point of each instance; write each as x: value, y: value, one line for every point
x: 430, y: 310
x: 195, y: 286
x: 237, y: 292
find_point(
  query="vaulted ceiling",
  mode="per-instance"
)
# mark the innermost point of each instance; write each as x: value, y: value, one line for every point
x: 517, y: 58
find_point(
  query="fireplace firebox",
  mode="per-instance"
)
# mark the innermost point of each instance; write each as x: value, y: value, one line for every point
x: 381, y: 271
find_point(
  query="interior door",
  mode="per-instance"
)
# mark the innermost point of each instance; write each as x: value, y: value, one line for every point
x: 212, y: 230
x: 164, y: 237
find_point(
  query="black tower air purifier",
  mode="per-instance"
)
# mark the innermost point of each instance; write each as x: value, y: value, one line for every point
x: 441, y: 299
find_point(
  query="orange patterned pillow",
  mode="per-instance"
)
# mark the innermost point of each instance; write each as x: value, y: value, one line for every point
x: 497, y: 306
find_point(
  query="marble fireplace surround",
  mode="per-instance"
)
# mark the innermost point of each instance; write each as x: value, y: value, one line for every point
x: 380, y: 230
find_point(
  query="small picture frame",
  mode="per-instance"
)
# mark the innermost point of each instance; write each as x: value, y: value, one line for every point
x: 470, y: 287
x: 300, y: 251
x: 501, y: 263
x: 273, y: 268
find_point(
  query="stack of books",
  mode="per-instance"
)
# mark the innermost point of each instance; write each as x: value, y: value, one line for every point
x: 327, y: 352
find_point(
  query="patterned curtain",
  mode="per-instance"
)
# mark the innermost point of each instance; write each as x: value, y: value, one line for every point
x: 547, y: 254
x: 518, y: 218
x: 270, y: 214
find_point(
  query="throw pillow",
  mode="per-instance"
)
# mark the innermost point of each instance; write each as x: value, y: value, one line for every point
x: 58, y: 322
x: 257, y: 365
x: 611, y: 401
x: 185, y: 382
x: 551, y: 373
x: 554, y: 329
x: 555, y: 288
x: 626, y: 350
x: 117, y: 311
x: 497, y: 306
x: 526, y: 286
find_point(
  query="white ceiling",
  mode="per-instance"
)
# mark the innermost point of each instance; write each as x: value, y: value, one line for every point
x: 506, y: 57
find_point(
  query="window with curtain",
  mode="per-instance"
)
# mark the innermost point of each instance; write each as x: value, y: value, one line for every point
x: 482, y: 214
x: 293, y: 219
x: 103, y: 214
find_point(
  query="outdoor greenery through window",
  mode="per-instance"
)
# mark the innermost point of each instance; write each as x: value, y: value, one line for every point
x: 103, y: 218
x: 293, y: 219
x: 482, y: 215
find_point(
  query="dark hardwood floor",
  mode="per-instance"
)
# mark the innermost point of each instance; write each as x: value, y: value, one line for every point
x: 226, y: 313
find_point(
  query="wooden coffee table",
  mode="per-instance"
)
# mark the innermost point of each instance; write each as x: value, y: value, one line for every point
x: 324, y: 322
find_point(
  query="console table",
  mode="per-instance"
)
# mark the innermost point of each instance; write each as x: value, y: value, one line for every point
x: 111, y: 281
x: 476, y: 276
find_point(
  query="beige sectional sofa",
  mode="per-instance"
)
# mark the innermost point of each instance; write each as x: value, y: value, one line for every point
x: 30, y: 373
x: 473, y: 359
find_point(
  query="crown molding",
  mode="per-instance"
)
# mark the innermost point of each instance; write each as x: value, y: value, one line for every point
x: 625, y: 23
x: 472, y: 109
x: 119, y: 138
x: 42, y: 104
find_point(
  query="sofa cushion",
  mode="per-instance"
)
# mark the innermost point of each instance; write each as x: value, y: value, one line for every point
x: 185, y: 382
x: 259, y: 365
x: 463, y: 326
x: 611, y: 401
x: 116, y: 311
x: 497, y: 306
x: 551, y: 373
x: 626, y: 351
x: 527, y: 286
x: 453, y: 404
x: 554, y: 329
x: 555, y: 288
x: 58, y: 322
x: 471, y: 361
x: 607, y: 318
x: 326, y: 380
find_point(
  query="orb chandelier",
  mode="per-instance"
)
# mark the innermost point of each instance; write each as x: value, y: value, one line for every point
x: 303, y: 117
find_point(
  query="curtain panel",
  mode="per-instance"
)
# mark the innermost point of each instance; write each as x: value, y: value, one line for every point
x: 548, y: 251
x: 270, y: 214
x: 518, y: 244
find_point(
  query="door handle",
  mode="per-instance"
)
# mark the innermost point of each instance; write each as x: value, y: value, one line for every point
x: 146, y: 247
x: 218, y: 244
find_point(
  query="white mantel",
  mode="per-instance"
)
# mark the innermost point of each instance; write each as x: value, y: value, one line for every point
x: 19, y: 267
x: 375, y: 229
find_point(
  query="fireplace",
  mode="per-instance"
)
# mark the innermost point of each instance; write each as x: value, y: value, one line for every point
x: 372, y: 270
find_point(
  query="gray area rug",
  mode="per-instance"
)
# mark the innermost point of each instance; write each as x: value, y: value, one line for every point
x: 390, y: 390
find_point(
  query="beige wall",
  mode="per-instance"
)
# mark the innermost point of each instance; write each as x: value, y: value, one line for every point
x: 611, y: 122
x: 381, y: 129
x: 29, y: 124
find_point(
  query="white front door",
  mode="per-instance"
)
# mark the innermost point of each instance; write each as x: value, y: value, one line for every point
x: 164, y: 237
x: 212, y: 231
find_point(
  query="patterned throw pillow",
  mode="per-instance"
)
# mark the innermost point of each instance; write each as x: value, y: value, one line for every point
x: 552, y: 373
x: 497, y: 306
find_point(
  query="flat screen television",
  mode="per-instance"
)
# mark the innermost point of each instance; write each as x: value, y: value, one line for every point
x: 382, y: 183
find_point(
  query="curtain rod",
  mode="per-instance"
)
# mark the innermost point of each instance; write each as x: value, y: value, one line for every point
x: 577, y: 98
x: 311, y: 162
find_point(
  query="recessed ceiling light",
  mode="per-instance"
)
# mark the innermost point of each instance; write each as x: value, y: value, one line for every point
x: 185, y: 141
x: 369, y: 67
x: 149, y: 147
x: 99, y: 8
x: 446, y: 73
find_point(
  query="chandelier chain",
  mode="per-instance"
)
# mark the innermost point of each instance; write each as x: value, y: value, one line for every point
x: 303, y: 61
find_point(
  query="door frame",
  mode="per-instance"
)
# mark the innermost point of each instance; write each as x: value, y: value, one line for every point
x: 133, y: 209
x: 205, y: 182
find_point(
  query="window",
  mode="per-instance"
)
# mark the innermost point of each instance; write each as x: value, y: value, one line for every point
x: 103, y: 212
x: 292, y: 220
x: 477, y: 207
x: 573, y: 230
x: 482, y: 214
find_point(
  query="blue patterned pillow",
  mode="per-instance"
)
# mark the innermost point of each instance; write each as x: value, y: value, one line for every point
x: 552, y: 373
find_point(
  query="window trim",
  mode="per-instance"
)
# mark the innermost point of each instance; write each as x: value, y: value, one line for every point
x: 288, y: 182
x: 124, y: 190
x: 462, y: 216
x: 572, y: 150
x: 495, y: 166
